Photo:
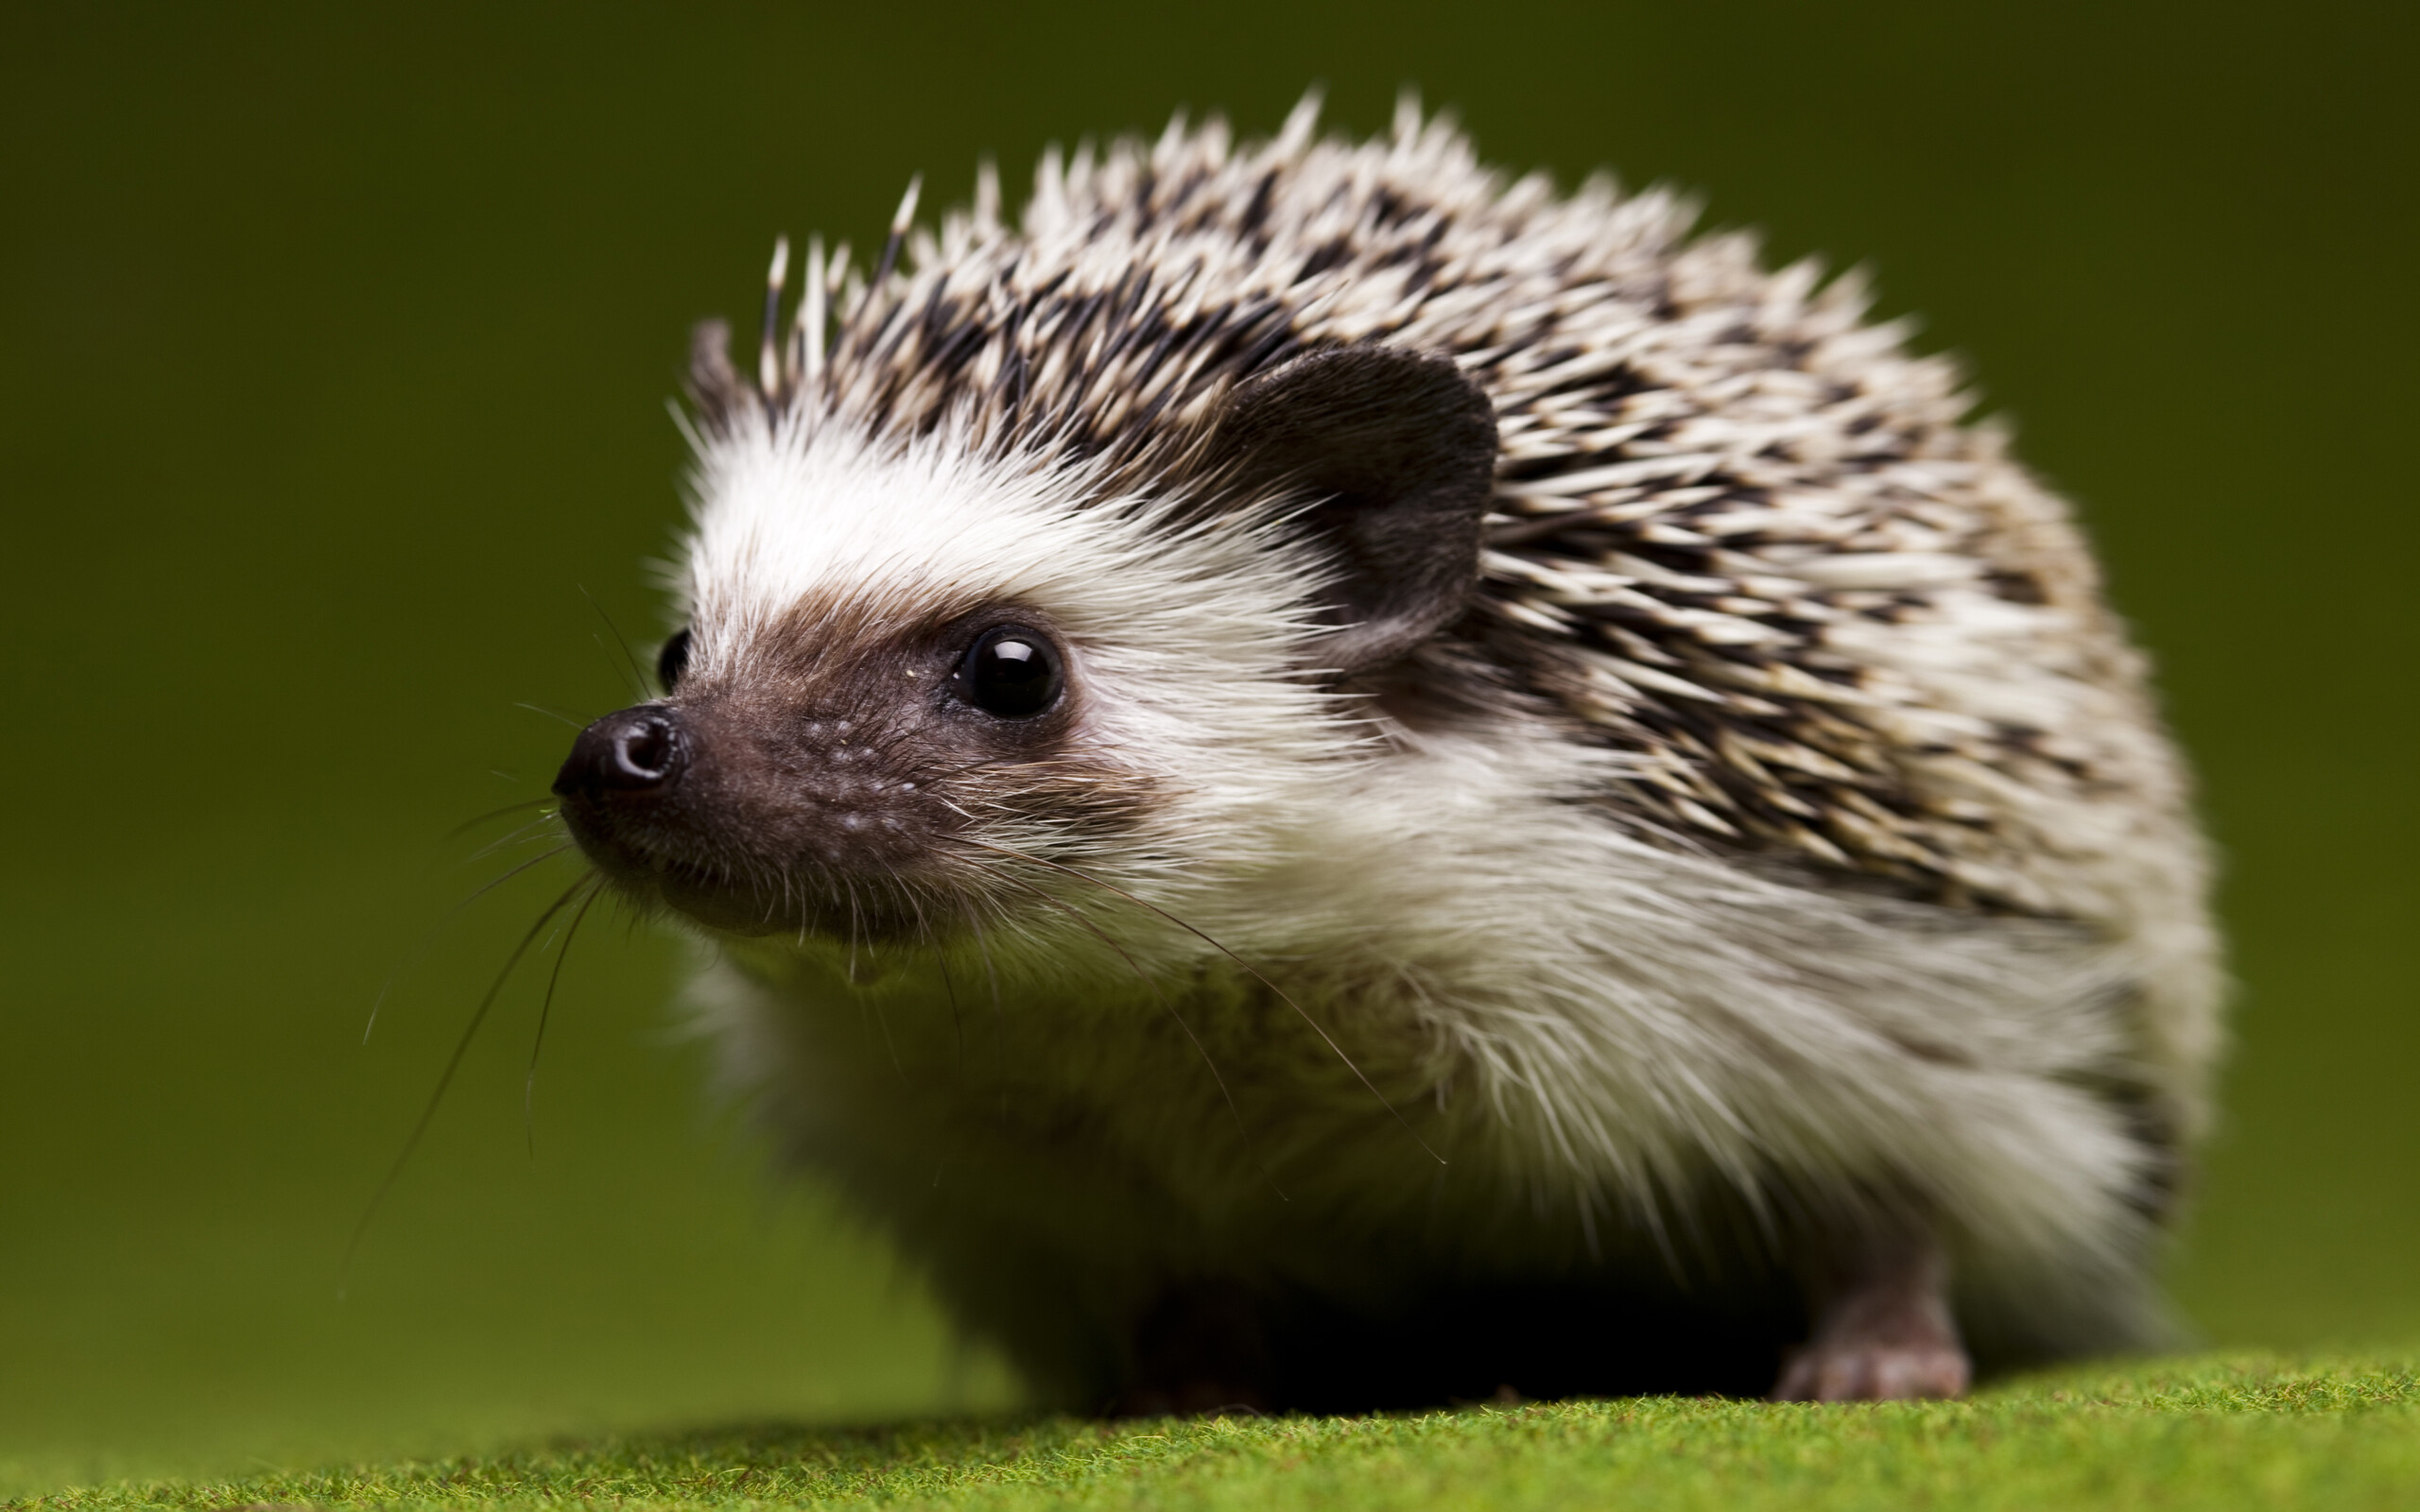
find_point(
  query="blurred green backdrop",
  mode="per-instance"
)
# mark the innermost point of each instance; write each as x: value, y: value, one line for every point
x: 335, y: 344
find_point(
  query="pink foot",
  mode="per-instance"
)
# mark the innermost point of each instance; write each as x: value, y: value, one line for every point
x: 1883, y: 1332
x: 1836, y: 1370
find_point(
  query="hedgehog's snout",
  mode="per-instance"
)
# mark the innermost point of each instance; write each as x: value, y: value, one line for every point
x: 746, y: 814
x: 637, y: 750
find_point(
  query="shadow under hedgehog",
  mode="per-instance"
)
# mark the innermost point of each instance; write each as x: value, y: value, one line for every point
x: 1325, y: 781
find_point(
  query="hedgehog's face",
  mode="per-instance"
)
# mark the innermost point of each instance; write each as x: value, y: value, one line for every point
x: 918, y: 689
x: 832, y: 780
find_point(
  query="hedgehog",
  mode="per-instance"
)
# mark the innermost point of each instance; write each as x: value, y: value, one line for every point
x: 1325, y: 779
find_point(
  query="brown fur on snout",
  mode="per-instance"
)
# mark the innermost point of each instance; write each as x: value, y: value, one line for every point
x: 835, y: 784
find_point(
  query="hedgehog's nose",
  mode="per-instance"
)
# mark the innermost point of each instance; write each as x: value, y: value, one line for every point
x: 637, y: 750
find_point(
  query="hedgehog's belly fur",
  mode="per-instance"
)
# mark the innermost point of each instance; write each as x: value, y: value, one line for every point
x: 1058, y: 1213
x: 1633, y: 1137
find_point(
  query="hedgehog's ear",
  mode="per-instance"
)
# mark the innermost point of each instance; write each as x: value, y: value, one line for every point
x: 716, y: 391
x: 1397, y: 453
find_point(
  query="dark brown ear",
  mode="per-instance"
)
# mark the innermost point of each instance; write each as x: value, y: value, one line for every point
x: 715, y: 390
x: 1396, y: 452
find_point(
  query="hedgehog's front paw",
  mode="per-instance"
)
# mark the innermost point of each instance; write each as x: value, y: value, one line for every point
x: 1883, y: 1330
x: 1835, y: 1370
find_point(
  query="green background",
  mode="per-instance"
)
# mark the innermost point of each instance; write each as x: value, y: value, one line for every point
x: 333, y: 353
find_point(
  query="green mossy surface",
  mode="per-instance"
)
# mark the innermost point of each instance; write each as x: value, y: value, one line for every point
x: 2211, y: 1432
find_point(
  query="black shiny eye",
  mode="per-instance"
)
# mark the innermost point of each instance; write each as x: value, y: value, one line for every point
x: 1011, y: 672
x: 672, y: 660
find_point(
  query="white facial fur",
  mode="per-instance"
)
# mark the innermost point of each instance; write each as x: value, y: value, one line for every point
x: 1185, y: 638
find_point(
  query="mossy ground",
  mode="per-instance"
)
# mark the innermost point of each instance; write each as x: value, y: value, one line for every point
x: 2211, y: 1432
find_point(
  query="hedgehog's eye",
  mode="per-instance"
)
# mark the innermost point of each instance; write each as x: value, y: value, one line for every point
x: 1011, y: 672
x: 672, y: 660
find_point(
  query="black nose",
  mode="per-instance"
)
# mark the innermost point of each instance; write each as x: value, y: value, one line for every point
x: 635, y: 750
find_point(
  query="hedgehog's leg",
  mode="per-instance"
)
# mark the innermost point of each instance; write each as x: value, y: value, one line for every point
x: 1883, y: 1328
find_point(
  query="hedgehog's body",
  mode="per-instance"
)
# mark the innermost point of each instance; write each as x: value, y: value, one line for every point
x: 1350, y: 968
